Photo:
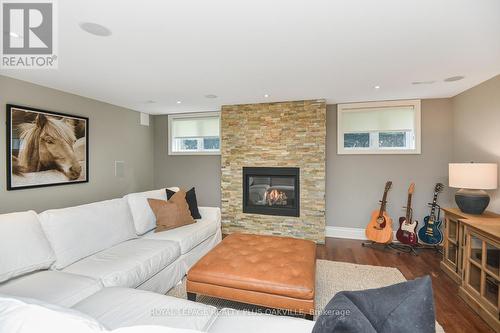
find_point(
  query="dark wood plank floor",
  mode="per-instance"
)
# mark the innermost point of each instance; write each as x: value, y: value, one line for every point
x: 452, y: 312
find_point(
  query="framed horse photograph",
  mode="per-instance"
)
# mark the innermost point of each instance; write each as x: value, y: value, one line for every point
x: 45, y: 148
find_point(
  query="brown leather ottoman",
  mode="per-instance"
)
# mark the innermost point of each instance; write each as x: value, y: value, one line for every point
x: 275, y: 272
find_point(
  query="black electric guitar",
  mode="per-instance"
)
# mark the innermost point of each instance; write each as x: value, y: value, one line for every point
x: 431, y: 232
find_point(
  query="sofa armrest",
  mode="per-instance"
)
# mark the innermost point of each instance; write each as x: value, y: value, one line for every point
x: 210, y: 213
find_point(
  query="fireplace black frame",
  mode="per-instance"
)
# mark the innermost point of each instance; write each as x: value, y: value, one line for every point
x: 271, y: 171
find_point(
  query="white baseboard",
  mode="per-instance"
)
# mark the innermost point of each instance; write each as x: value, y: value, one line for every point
x: 344, y: 232
x: 348, y: 233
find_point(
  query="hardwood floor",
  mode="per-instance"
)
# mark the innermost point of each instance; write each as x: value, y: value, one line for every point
x: 452, y: 312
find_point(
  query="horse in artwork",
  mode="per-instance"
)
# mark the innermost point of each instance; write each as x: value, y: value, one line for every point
x: 48, y: 144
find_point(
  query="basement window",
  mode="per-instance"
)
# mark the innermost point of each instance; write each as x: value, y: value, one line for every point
x: 391, y: 127
x: 194, y: 134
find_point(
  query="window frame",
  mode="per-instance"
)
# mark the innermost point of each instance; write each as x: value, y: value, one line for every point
x: 353, y: 107
x: 170, y: 139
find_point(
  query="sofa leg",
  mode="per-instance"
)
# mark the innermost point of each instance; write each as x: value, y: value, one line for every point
x: 191, y: 296
x: 309, y: 317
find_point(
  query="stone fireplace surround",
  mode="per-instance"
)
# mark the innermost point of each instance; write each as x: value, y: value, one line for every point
x: 284, y: 134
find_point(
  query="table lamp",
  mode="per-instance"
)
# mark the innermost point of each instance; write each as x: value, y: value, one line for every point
x: 472, y: 179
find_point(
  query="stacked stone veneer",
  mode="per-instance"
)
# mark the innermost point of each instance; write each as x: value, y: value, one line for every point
x: 288, y: 134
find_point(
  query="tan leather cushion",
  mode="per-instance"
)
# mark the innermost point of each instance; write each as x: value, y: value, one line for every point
x: 173, y: 213
x: 267, y: 264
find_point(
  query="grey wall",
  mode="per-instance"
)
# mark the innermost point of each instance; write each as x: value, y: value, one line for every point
x: 115, y: 134
x: 202, y: 172
x: 355, y: 183
x: 476, y: 127
x: 464, y: 128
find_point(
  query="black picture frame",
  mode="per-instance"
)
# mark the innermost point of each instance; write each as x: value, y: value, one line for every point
x: 10, y: 108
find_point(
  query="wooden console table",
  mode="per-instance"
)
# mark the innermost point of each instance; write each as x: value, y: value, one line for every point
x: 471, y: 257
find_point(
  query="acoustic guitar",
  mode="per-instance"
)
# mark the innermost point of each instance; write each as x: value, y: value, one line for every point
x: 379, y: 230
x: 407, y: 231
x: 431, y: 232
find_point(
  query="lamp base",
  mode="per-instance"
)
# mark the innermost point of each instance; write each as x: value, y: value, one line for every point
x: 472, y: 201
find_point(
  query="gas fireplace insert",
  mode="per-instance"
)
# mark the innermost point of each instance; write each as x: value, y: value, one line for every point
x: 271, y: 191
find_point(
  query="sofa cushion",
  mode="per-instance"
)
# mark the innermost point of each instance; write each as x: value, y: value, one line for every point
x: 19, y: 232
x: 78, y: 232
x: 31, y: 316
x: 119, y: 307
x: 128, y: 264
x: 54, y: 287
x: 144, y: 219
x: 153, y: 329
x: 230, y: 321
x: 22, y: 315
x: 191, y: 201
x: 191, y: 235
x: 171, y: 214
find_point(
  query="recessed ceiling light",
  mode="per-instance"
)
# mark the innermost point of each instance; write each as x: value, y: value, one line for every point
x: 376, y: 87
x: 422, y: 82
x: 266, y: 95
x: 210, y: 96
x: 454, y: 78
x: 15, y: 35
x: 95, y: 29
x: 179, y: 102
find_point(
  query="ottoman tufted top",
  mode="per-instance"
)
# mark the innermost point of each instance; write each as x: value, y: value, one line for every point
x: 269, y: 264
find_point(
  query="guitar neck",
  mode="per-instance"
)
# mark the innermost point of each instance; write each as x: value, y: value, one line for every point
x: 434, y: 205
x: 383, y: 204
x: 408, y: 208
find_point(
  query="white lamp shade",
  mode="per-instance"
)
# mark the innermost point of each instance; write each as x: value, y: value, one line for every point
x: 477, y: 176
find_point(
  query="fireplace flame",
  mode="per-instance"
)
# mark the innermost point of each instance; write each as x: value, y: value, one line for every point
x: 276, y: 197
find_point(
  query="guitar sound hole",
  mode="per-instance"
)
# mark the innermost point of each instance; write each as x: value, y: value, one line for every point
x: 380, y: 223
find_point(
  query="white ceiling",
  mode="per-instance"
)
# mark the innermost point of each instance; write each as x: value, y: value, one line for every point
x: 290, y: 49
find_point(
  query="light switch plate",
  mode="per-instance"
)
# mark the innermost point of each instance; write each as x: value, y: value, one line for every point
x: 144, y: 119
x: 120, y: 169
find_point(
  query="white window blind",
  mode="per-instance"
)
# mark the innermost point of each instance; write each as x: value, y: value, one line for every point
x: 379, y: 119
x: 195, y: 127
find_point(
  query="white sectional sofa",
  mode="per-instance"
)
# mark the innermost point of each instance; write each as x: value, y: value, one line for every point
x: 104, y: 259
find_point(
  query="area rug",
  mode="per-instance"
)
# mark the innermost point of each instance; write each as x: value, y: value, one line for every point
x: 331, y: 277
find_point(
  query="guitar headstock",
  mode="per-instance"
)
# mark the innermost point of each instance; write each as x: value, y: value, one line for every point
x: 388, y: 186
x: 411, y: 189
x: 438, y: 188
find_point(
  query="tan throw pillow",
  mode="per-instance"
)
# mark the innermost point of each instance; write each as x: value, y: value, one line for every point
x: 173, y: 213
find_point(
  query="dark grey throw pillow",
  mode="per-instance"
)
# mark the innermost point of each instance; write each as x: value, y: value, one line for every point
x: 191, y: 201
x: 403, y: 307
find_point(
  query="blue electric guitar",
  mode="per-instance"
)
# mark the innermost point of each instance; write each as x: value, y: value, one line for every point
x: 431, y: 232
